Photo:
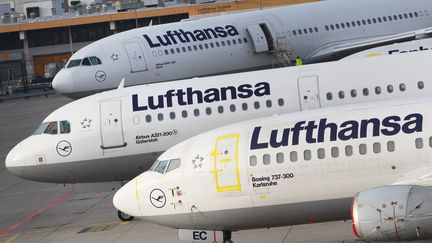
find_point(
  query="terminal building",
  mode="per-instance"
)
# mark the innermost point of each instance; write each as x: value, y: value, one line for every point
x: 38, y: 36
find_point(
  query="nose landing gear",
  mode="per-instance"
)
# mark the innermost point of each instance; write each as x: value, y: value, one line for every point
x: 227, y: 237
x: 124, y: 216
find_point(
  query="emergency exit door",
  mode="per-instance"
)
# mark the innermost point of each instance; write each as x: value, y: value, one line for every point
x: 309, y: 92
x: 136, y: 56
x: 111, y: 125
x: 226, y: 167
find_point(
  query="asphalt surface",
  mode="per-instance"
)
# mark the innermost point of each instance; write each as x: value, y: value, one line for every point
x: 41, y: 212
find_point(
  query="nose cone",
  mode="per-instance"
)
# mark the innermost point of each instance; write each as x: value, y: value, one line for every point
x: 63, y: 82
x: 126, y: 198
x: 17, y: 160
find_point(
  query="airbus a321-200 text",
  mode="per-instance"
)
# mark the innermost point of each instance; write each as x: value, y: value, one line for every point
x: 242, y: 42
x: 370, y: 162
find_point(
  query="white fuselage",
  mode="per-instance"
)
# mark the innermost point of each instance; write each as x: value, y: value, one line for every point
x: 287, y: 169
x: 116, y: 135
x: 239, y: 42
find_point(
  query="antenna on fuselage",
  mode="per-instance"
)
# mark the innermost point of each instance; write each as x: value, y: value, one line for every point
x: 121, y: 84
x: 151, y: 22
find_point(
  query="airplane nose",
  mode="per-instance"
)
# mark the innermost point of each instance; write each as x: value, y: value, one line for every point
x: 15, y: 160
x: 126, y: 198
x: 63, y: 82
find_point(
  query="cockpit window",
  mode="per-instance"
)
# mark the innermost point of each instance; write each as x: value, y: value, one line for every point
x: 95, y: 60
x: 41, y: 128
x: 154, y: 165
x: 86, y: 62
x: 64, y: 127
x: 161, y: 166
x: 51, y: 128
x: 74, y: 63
x: 174, y: 164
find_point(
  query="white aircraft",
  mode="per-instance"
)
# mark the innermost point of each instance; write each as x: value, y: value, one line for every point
x: 397, y: 48
x: 116, y: 135
x: 253, y: 40
x: 297, y: 168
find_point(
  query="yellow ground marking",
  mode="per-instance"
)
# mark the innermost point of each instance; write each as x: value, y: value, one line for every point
x: 11, y: 239
x: 263, y: 196
x: 127, y: 222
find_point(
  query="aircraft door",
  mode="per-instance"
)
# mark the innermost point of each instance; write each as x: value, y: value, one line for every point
x: 136, y: 56
x: 226, y: 163
x: 309, y: 93
x: 261, y: 37
x: 111, y: 125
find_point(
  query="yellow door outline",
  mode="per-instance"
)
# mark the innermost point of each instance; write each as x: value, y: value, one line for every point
x: 218, y: 155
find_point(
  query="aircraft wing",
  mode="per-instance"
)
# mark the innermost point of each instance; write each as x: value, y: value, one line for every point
x: 340, y: 50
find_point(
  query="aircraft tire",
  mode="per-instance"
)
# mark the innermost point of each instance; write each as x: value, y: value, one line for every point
x: 124, y: 217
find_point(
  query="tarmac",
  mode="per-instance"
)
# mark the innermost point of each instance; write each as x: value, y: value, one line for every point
x: 42, y: 212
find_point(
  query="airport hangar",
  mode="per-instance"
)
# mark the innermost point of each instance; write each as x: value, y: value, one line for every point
x: 27, y: 46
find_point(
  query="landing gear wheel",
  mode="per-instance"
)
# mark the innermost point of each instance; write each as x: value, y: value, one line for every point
x: 227, y: 237
x: 124, y: 216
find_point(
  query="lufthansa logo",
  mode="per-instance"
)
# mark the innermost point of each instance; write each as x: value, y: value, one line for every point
x: 64, y: 148
x: 100, y: 76
x: 157, y: 198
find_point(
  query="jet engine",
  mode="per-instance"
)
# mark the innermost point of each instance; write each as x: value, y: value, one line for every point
x: 392, y: 213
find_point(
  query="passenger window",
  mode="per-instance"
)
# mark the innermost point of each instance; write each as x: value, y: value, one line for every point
x: 307, y: 154
x: 148, y: 118
x: 390, y: 88
x: 229, y: 42
x: 341, y: 94
x: 244, y: 106
x: 208, y: 111
x: 266, y: 159
x: 240, y: 41
x: 184, y: 49
x: 402, y: 87
x: 279, y: 158
x: 391, y: 146
x: 161, y: 166
x: 196, y: 112
x: 184, y: 113
x: 51, y: 128
x: 321, y: 153
x: 419, y: 143
x: 95, y: 61
x: 430, y: 142
x: 172, y: 51
x: 348, y: 150
x: 256, y: 105
x: 64, y: 127
x: 353, y: 93
x: 362, y: 149
x: 280, y: 102
x: 189, y: 48
x: 365, y: 91
x: 232, y: 108
x: 178, y: 50
x: 335, y: 152
x: 74, y: 63
x: 220, y: 109
x: 166, y: 52
x: 269, y: 103
x: 293, y: 156
x: 377, y: 90
x: 420, y: 85
x: 245, y: 40
x: 377, y: 148
x: 223, y: 43
x: 160, y: 116
x: 329, y: 96
x: 172, y: 115
x: 253, y: 160
x: 174, y: 164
